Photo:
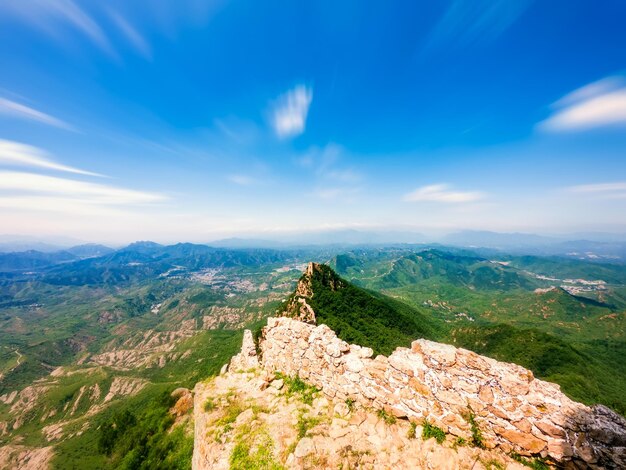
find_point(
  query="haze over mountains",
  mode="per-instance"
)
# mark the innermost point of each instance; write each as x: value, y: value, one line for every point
x: 600, y: 246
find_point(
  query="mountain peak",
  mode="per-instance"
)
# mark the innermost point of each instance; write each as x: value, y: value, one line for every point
x: 316, y: 277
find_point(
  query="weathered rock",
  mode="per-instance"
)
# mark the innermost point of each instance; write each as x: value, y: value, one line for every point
x: 278, y: 384
x: 524, y: 440
x: 247, y: 358
x: 305, y: 447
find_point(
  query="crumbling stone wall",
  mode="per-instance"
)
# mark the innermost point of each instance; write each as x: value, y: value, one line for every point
x: 443, y: 384
x: 247, y: 357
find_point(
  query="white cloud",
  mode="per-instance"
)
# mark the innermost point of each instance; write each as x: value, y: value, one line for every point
x: 241, y: 180
x: 442, y: 193
x: 15, y: 153
x: 59, y: 205
x: 598, y: 104
x: 615, y: 190
x: 13, y: 109
x: 91, y: 193
x: 290, y: 112
x: 47, y: 15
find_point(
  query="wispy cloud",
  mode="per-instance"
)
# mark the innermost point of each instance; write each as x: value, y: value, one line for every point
x: 444, y: 194
x: 132, y: 35
x: 241, y: 180
x: 334, y: 181
x: 59, y: 205
x: 598, y: 104
x: 290, y: 112
x: 92, y: 193
x: 18, y: 154
x: 336, y: 194
x: 345, y: 176
x: 615, y: 190
x: 466, y: 22
x: 47, y: 16
x: 20, y: 111
x: 326, y: 163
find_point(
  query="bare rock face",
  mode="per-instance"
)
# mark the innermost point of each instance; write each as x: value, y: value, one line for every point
x: 247, y: 358
x: 20, y: 457
x: 450, y: 387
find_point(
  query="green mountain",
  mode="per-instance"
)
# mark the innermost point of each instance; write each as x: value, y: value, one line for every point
x: 459, y: 270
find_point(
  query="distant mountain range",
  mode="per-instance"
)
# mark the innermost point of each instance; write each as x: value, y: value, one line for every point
x: 591, y: 246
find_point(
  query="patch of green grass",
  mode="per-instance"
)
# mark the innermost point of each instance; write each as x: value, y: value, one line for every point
x: 254, y: 450
x: 493, y: 464
x: 430, y: 430
x: 256, y: 409
x: 209, y: 405
x: 388, y: 418
x: 231, y: 411
x: 477, y: 435
x: 535, y: 464
x: 459, y: 442
x: 305, y: 424
x: 297, y: 386
x: 350, y: 402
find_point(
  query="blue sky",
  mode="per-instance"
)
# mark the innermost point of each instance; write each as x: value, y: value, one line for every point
x: 194, y: 120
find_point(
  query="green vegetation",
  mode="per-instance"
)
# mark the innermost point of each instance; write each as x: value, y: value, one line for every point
x: 297, y: 386
x: 430, y: 430
x: 493, y: 464
x: 209, y: 405
x: 459, y: 442
x: 144, y: 440
x: 254, y: 450
x: 388, y: 418
x: 535, y: 464
x: 550, y: 358
x: 306, y: 423
x: 477, y: 435
x: 230, y: 412
x: 350, y: 402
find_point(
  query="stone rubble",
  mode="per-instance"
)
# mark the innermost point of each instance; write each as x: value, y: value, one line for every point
x: 443, y: 384
x: 326, y: 434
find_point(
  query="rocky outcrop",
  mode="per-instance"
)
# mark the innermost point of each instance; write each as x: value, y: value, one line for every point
x: 451, y: 388
x: 247, y: 357
x: 19, y: 457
